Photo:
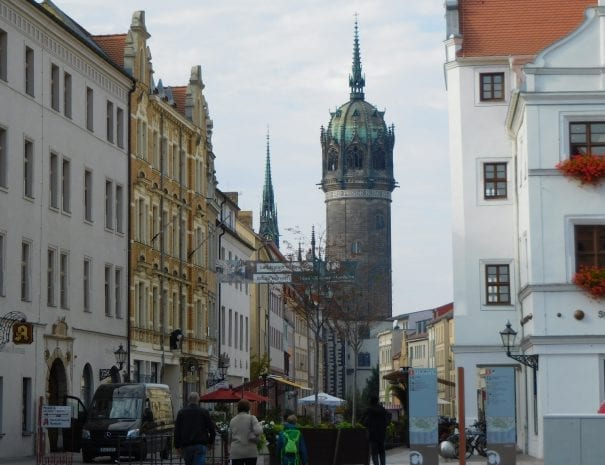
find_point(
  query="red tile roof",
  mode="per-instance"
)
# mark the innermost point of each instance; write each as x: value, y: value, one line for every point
x: 516, y: 27
x: 113, y: 45
x: 178, y: 94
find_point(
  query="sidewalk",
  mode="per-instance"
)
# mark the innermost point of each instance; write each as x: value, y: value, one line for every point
x: 397, y: 456
x: 400, y: 456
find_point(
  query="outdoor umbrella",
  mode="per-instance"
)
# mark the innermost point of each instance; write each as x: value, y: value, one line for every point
x: 220, y: 395
x: 252, y: 396
x: 322, y: 399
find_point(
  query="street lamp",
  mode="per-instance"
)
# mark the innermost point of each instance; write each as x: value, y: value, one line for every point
x: 121, y: 356
x: 508, y: 335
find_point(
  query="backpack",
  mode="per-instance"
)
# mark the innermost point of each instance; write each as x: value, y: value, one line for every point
x: 290, y: 454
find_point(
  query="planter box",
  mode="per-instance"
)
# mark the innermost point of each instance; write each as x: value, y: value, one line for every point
x: 348, y: 446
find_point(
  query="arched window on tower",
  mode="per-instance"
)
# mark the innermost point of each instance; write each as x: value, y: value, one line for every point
x: 378, y: 160
x: 332, y: 160
x: 354, y: 158
x: 379, y: 220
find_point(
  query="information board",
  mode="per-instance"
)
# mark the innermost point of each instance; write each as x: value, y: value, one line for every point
x: 56, y: 416
x: 422, y: 386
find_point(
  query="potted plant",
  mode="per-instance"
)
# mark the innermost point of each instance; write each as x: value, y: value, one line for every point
x: 592, y: 280
x: 586, y: 168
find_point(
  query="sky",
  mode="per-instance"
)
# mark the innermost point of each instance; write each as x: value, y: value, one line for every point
x: 282, y: 66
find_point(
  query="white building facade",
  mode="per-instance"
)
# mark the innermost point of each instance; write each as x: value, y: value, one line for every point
x: 521, y: 228
x: 63, y: 221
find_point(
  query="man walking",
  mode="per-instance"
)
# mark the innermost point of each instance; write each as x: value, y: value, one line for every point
x: 376, y: 419
x: 194, y: 431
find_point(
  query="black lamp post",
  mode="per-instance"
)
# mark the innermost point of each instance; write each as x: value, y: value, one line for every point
x: 121, y: 356
x: 508, y: 335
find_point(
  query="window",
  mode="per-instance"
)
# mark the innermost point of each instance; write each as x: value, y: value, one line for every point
x: 63, y: 279
x: 241, y: 332
x: 1, y: 402
x: 29, y: 71
x: 120, y: 208
x: 65, y: 185
x: 109, y: 121
x: 120, y: 128
x: 380, y: 223
x: 590, y: 245
x: 107, y: 290
x: 54, y: 87
x: 356, y: 247
x: 3, y: 55
x: 67, y: 95
x: 2, y: 261
x: 378, y: 160
x: 28, y: 169
x: 25, y: 270
x: 494, y: 181
x: 51, y: 272
x: 332, y: 161
x: 491, y: 86
x: 363, y: 359
x: 230, y: 329
x: 587, y: 137
x: 88, y: 195
x: 86, y: 285
x: 117, y: 294
x: 3, y: 159
x: 497, y: 284
x: 26, y: 406
x: 108, y: 204
x: 53, y: 184
x: 89, y: 108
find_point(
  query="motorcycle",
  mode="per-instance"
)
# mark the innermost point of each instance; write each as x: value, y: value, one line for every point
x: 475, y: 441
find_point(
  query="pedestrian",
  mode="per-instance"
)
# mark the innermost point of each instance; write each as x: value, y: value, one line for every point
x: 194, y: 431
x: 244, y: 434
x: 291, y: 447
x: 376, y: 419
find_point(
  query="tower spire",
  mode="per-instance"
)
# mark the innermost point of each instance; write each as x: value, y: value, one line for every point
x: 356, y: 78
x: 268, y: 217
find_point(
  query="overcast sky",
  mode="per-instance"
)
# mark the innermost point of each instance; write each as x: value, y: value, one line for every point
x: 284, y: 64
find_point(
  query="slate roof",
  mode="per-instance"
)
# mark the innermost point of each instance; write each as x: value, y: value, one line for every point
x: 516, y: 27
x: 113, y: 45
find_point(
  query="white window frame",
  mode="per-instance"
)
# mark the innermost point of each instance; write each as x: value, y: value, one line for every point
x: 119, y: 197
x: 2, y: 263
x: 29, y: 71
x: 88, y: 195
x: 109, y: 204
x: 53, y: 181
x: 482, y: 276
x: 570, y: 248
x: 117, y: 291
x: 66, y: 185
x: 109, y: 121
x: 55, y: 72
x: 64, y: 279
x: 90, y: 102
x: 490, y: 70
x: 86, y: 283
x: 3, y: 66
x: 28, y: 168
x: 107, y: 289
x: 3, y: 158
x: 67, y: 94
x: 26, y: 259
x: 51, y: 277
x: 479, y: 167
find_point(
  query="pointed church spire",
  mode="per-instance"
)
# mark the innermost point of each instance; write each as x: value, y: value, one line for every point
x: 356, y: 79
x: 268, y: 217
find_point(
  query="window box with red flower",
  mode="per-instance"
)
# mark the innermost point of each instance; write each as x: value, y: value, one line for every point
x: 592, y: 280
x: 585, y: 167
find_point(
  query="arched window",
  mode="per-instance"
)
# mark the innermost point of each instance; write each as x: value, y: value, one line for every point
x: 332, y: 161
x: 356, y: 248
x: 378, y: 159
x: 354, y: 158
x: 379, y: 220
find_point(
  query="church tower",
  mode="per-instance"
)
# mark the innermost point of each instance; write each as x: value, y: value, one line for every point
x: 357, y: 178
x: 268, y: 217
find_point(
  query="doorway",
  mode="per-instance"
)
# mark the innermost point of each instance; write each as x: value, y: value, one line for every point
x: 57, y: 390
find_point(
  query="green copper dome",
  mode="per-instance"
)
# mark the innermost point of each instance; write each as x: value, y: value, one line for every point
x: 357, y: 118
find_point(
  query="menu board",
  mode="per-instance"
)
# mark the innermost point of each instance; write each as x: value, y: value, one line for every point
x: 500, y: 405
x: 422, y: 384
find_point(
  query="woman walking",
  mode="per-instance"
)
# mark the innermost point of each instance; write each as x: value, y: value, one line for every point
x: 244, y: 434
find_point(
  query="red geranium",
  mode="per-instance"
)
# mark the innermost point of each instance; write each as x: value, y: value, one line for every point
x: 587, y: 168
x: 591, y: 279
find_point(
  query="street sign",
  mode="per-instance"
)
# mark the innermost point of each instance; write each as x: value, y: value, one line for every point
x: 272, y: 278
